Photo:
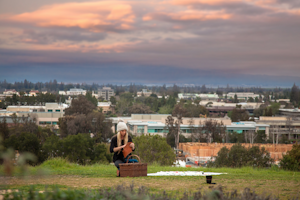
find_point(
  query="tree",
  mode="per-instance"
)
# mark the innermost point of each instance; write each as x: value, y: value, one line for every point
x: 291, y: 161
x: 79, y: 148
x: 235, y: 137
x: 250, y: 99
x: 261, y: 137
x: 212, y: 131
x: 4, y: 131
x: 122, y: 106
x: 113, y: 100
x: 80, y: 106
x: 166, y: 109
x: 26, y: 142
x: 250, y: 135
x: 53, y: 147
x: 197, y: 100
x: 239, y: 114
x: 295, y: 96
x: 139, y: 109
x: 203, y: 89
x: 75, y: 148
x: 92, y: 99
x: 239, y: 156
x: 154, y: 149
x: 128, y: 96
x: 259, y: 157
x: 94, y: 122
x: 178, y: 112
x: 172, y: 127
x: 194, y: 110
x: 235, y: 100
x: 289, y: 122
x: 222, y: 158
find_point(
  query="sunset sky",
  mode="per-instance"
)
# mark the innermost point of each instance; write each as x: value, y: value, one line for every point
x: 242, y: 42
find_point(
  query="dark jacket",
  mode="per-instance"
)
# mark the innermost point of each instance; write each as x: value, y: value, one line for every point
x: 113, y: 144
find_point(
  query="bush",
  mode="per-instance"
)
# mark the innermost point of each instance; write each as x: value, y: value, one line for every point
x: 26, y: 142
x: 291, y: 161
x: 154, y: 148
x: 79, y: 148
x: 99, y: 154
x: 239, y: 156
x: 171, y: 139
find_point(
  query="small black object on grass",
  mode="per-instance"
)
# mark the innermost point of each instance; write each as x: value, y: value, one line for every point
x: 208, y: 179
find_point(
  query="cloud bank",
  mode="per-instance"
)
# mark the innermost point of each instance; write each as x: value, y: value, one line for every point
x: 220, y: 38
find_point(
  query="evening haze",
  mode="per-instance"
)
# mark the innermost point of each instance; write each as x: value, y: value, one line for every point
x: 217, y: 42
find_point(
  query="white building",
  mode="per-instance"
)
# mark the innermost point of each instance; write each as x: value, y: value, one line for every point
x: 73, y: 92
x: 11, y: 92
x: 191, y: 96
x: 242, y: 95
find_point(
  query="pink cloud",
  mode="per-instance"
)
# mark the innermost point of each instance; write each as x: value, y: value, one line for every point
x: 189, y: 15
x: 95, y: 16
x: 115, y: 47
x: 206, y: 2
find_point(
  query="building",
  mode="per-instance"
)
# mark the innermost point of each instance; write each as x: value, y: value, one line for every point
x: 155, y: 124
x: 33, y: 93
x: 45, y: 115
x: 106, y: 93
x: 242, y: 95
x: 144, y: 92
x: 222, y: 107
x: 191, y: 96
x: 294, y: 113
x: 73, y: 92
x: 8, y: 93
x: 106, y: 107
x: 219, y: 110
x: 11, y: 92
x: 10, y: 121
x: 286, y: 125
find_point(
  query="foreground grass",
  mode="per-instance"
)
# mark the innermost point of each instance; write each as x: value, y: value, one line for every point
x: 60, y: 173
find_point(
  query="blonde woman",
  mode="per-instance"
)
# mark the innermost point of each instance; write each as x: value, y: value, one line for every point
x: 118, y: 142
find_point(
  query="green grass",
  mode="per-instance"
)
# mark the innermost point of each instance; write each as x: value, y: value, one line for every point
x: 60, y: 166
x: 63, y: 174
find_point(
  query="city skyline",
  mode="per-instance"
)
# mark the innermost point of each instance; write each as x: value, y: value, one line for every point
x: 214, y: 42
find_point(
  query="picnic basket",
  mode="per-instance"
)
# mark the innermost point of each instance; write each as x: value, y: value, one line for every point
x: 133, y: 169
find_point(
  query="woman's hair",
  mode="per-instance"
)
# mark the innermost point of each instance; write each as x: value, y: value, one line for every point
x: 119, y: 140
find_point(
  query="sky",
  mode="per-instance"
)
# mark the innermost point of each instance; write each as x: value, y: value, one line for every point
x: 216, y: 42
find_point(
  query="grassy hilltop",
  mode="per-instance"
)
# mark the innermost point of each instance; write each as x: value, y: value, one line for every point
x: 62, y: 174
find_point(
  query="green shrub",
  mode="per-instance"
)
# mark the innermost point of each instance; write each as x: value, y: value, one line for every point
x: 99, y: 154
x: 291, y: 161
x: 154, y: 148
x: 79, y: 148
x: 26, y: 142
x: 239, y: 156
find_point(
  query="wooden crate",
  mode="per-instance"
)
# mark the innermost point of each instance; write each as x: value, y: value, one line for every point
x: 133, y: 169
